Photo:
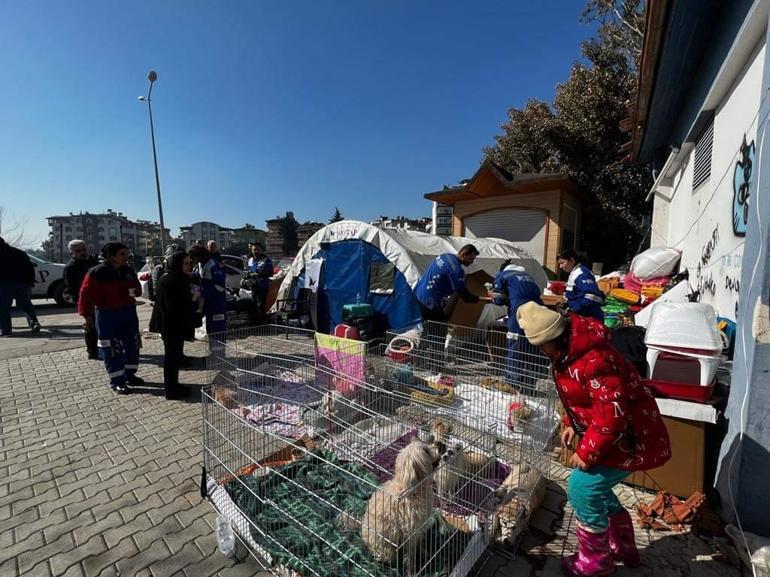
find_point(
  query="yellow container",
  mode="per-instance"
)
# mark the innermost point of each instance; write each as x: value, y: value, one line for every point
x: 625, y: 295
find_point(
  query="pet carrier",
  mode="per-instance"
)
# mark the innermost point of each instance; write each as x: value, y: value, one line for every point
x: 329, y: 464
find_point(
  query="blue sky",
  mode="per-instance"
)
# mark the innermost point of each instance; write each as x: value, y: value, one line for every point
x: 263, y: 106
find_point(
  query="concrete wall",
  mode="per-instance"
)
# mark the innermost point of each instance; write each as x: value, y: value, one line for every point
x: 700, y: 222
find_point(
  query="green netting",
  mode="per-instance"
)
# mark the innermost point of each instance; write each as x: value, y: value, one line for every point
x: 322, y: 544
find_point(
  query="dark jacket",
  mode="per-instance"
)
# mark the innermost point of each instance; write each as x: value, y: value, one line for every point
x: 15, y: 266
x: 106, y: 287
x: 173, y: 314
x: 74, y: 273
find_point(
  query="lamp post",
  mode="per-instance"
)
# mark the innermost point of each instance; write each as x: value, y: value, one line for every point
x: 152, y: 77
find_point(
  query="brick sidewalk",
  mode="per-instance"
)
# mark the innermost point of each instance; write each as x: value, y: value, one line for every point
x: 92, y: 483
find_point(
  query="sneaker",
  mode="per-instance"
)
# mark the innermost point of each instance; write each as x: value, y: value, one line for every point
x: 135, y: 381
x: 35, y: 328
x: 121, y: 389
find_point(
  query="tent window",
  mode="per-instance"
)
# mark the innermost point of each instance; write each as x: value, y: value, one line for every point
x: 382, y: 278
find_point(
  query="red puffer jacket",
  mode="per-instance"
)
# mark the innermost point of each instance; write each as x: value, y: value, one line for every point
x: 606, y: 403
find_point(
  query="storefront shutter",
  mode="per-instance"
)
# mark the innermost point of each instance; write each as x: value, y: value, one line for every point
x: 524, y: 227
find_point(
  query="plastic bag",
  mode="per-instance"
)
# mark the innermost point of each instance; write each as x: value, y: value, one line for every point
x: 655, y: 262
x: 200, y: 333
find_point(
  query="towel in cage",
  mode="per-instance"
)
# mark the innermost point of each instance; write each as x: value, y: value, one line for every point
x: 341, y: 363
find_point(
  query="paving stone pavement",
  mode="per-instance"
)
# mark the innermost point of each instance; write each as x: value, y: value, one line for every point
x: 92, y: 483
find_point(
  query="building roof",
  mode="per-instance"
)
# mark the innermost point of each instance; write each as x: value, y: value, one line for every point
x: 686, y: 44
x: 485, y: 184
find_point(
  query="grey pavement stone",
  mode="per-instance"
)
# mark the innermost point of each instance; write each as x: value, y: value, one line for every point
x: 29, y: 559
x: 104, y: 562
x: 63, y: 562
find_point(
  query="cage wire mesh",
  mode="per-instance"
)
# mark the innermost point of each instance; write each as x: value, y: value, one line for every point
x: 335, y: 457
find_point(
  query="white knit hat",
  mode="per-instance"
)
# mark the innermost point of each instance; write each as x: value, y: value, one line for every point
x: 540, y: 324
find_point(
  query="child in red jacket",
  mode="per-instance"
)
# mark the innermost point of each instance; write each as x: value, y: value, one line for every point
x: 618, y: 426
x: 108, y: 296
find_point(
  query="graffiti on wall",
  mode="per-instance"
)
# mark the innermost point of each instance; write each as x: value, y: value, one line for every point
x: 741, y: 183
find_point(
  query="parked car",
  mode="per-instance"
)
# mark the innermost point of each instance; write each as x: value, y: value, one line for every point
x: 49, y: 280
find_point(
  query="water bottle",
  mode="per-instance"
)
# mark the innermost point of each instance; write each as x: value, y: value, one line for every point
x: 225, y: 536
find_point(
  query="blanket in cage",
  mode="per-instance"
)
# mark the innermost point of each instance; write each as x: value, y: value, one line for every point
x: 278, y: 502
x: 341, y: 363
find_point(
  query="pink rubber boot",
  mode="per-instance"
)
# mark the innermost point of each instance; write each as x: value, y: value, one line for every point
x: 593, y: 558
x: 621, y: 539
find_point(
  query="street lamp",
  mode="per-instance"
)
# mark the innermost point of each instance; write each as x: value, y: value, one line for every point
x: 152, y: 77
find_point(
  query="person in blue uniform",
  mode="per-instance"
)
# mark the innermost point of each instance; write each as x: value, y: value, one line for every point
x: 445, y: 276
x: 108, y: 302
x: 512, y: 288
x: 260, y: 269
x: 583, y: 295
x: 212, y: 282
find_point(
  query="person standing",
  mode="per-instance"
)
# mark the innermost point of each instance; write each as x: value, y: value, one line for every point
x: 616, y: 423
x: 17, y: 277
x: 213, y: 249
x: 159, y: 269
x: 445, y: 277
x: 514, y: 287
x: 108, y: 296
x: 74, y: 273
x: 212, y: 286
x: 260, y: 269
x: 173, y: 317
x: 583, y: 294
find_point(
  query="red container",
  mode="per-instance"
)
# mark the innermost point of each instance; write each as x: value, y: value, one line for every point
x: 347, y: 332
x: 683, y: 392
x: 557, y: 287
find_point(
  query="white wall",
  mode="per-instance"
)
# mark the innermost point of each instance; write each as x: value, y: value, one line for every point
x: 701, y: 223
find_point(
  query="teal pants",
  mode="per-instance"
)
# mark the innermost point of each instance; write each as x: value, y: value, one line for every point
x: 591, y: 496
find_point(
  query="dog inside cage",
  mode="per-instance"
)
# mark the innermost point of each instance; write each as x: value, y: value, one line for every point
x: 332, y: 458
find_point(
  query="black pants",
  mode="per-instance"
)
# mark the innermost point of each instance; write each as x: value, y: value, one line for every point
x: 91, y: 340
x: 172, y: 360
x: 258, y: 310
x: 436, y: 314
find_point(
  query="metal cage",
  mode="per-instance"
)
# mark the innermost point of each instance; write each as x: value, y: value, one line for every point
x: 332, y: 457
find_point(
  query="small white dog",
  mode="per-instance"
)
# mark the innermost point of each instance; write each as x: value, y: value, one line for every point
x: 397, y: 513
x: 450, y: 471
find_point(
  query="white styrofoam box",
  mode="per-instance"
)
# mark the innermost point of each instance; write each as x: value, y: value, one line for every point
x: 683, y: 325
x: 655, y: 262
x: 676, y: 294
x: 687, y: 410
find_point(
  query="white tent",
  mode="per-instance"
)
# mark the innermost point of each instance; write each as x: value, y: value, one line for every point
x: 412, y: 252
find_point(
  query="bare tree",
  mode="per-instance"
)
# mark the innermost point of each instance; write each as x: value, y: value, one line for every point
x: 12, y: 229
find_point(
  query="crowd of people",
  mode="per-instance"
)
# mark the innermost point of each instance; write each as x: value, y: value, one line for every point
x: 188, y: 290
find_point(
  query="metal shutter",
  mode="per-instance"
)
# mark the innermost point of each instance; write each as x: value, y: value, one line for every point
x: 524, y: 227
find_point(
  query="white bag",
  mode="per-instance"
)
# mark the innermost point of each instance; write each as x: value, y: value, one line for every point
x: 200, y: 332
x: 655, y: 262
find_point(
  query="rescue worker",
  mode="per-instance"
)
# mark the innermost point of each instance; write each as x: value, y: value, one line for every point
x: 213, y: 288
x: 583, y: 295
x: 445, y: 277
x: 513, y: 287
x: 108, y: 302
x: 74, y: 273
x: 260, y: 269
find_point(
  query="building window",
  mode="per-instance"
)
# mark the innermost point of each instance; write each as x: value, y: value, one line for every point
x: 702, y: 157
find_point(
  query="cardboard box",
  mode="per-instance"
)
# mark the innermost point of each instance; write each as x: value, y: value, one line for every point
x: 684, y: 472
x: 467, y: 314
x: 553, y: 300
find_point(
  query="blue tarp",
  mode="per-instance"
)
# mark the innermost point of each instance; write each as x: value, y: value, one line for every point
x: 345, y: 280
